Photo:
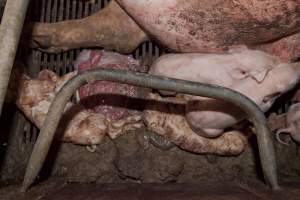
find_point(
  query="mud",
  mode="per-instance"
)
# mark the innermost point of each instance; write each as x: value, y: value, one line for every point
x: 133, y: 159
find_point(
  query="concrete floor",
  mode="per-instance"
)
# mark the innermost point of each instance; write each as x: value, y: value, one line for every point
x: 207, y: 191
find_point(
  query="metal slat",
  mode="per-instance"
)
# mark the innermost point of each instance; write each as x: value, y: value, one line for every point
x: 54, y: 11
x: 43, y: 8
x: 86, y: 8
x: 48, y: 11
x: 67, y: 16
x: 61, y: 10
x: 73, y: 9
x: 20, y: 123
x: 79, y: 10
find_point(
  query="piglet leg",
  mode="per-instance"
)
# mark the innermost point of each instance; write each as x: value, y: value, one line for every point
x: 168, y: 121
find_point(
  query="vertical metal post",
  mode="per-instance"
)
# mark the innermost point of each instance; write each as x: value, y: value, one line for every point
x: 10, y: 31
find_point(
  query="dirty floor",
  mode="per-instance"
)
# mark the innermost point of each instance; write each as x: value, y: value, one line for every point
x: 207, y: 191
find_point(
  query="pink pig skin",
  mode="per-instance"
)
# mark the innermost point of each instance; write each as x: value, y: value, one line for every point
x: 258, y: 75
x: 287, y: 48
x: 214, y: 25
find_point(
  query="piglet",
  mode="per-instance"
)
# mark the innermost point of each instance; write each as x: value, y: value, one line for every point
x: 112, y: 99
x: 165, y: 117
x: 256, y: 74
x: 78, y: 125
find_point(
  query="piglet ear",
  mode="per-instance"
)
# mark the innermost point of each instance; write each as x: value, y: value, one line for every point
x: 271, y: 97
x: 259, y: 75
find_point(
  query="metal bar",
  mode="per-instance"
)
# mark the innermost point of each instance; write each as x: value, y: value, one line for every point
x: 10, y: 32
x: 41, y: 148
x: 42, y: 17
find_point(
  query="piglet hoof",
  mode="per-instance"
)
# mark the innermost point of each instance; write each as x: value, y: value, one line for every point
x: 91, y: 148
x: 286, y: 141
x: 160, y: 142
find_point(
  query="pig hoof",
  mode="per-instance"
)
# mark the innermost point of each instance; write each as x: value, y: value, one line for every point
x: 92, y: 148
x: 160, y: 142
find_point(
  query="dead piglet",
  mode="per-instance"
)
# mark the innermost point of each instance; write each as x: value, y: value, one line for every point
x: 112, y: 99
x: 165, y: 117
x: 78, y: 125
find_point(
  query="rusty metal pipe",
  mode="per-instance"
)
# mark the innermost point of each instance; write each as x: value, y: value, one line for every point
x: 10, y: 32
x: 41, y: 148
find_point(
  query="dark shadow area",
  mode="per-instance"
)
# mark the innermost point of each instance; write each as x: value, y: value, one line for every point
x: 6, y: 124
x: 202, y: 191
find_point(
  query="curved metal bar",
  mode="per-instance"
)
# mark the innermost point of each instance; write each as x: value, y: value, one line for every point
x: 41, y: 148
